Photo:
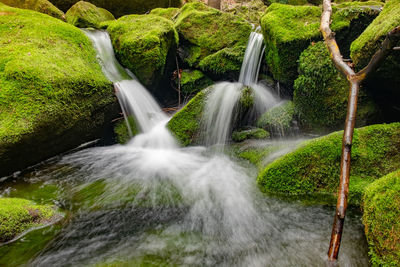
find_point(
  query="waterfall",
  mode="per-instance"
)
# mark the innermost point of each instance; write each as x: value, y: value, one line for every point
x: 220, y: 109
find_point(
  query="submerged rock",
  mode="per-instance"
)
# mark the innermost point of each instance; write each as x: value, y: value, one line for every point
x: 288, y: 30
x: 122, y: 7
x: 86, y: 15
x: 19, y: 215
x: 253, y: 133
x: 213, y: 41
x: 42, y: 6
x: 381, y: 206
x: 315, y: 165
x: 143, y: 43
x: 321, y: 94
x: 53, y: 94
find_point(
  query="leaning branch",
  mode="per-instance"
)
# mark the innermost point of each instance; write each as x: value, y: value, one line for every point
x: 354, y: 81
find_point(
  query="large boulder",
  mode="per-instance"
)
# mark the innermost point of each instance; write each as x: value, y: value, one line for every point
x: 143, y: 43
x: 315, y: 165
x: 19, y: 215
x: 288, y: 30
x: 384, y: 83
x: 43, y: 6
x: 381, y: 207
x: 86, y: 15
x: 321, y: 94
x: 53, y: 94
x: 122, y: 7
x: 212, y: 40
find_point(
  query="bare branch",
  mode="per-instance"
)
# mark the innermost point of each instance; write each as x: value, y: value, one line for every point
x: 386, y: 47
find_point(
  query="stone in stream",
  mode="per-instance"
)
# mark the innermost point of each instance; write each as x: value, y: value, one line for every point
x: 86, y: 15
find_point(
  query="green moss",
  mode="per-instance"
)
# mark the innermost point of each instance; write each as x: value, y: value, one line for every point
x: 18, y: 215
x: 321, y: 93
x: 381, y: 220
x: 42, y: 6
x: 193, y: 81
x: 185, y: 124
x: 86, y: 15
x: 385, y: 78
x: 278, y: 119
x: 206, y: 31
x: 122, y: 7
x: 121, y: 130
x: 315, y: 166
x: 142, y: 44
x: 251, y: 11
x: 168, y: 13
x: 288, y: 30
x: 53, y: 93
x: 246, y: 100
x: 254, y: 133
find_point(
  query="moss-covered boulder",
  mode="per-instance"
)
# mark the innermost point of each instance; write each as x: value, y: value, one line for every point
x: 122, y: 7
x: 122, y: 133
x: 143, y: 43
x: 252, y: 11
x: 315, y: 165
x: 216, y: 37
x: 279, y: 119
x: 53, y: 94
x: 385, y: 81
x: 321, y: 94
x: 252, y: 133
x: 288, y: 30
x: 381, y: 219
x: 86, y: 15
x: 19, y: 215
x: 193, y: 81
x: 168, y: 13
x: 42, y: 6
x: 185, y: 124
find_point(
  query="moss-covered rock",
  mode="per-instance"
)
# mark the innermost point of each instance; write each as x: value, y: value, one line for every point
x: 42, y: 6
x: 122, y: 7
x: 185, y: 124
x: 193, y: 81
x: 278, y: 119
x: 381, y: 219
x: 253, y: 133
x: 122, y: 133
x: 53, y: 94
x: 385, y: 81
x: 205, y: 31
x: 168, y: 13
x: 142, y: 43
x: 315, y: 165
x: 288, y: 30
x: 252, y: 11
x: 18, y: 215
x: 321, y: 94
x: 86, y: 15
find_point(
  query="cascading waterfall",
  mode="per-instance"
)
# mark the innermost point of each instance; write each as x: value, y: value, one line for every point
x: 150, y: 202
x: 220, y: 111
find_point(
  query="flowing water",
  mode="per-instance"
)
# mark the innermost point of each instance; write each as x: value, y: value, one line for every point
x: 153, y: 203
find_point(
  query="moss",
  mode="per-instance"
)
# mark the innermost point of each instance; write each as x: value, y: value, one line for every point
x: 86, y: 15
x: 121, y: 130
x: 315, y: 166
x: 251, y: 11
x: 254, y: 133
x: 385, y: 79
x: 18, y: 215
x: 42, y: 6
x: 142, y: 44
x: 193, y: 81
x: 206, y: 31
x: 288, y: 30
x: 122, y: 7
x: 53, y: 94
x: 185, y: 124
x: 381, y: 220
x: 168, y: 13
x: 246, y: 100
x: 278, y: 119
x: 321, y: 93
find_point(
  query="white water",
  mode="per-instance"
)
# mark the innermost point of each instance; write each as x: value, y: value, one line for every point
x: 252, y: 59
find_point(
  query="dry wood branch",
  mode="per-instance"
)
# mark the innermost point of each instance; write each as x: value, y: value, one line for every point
x: 354, y: 82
